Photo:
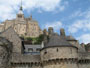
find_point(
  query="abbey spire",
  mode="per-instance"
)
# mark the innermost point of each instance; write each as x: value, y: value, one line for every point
x: 20, y: 14
x: 21, y: 9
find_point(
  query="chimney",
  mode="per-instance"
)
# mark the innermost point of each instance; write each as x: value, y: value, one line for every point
x: 50, y: 31
x: 45, y: 36
x: 45, y: 32
x: 62, y: 32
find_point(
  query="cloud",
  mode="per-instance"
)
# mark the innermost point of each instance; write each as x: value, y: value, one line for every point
x: 9, y: 8
x: 75, y: 14
x: 83, y: 25
x: 45, y: 5
x: 80, y: 24
x: 84, y: 38
x: 56, y: 25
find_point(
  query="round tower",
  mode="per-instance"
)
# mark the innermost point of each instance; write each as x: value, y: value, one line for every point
x: 50, y: 31
x: 70, y: 38
x: 87, y: 47
x: 58, y: 53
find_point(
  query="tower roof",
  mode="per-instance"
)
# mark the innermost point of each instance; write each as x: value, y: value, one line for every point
x: 58, y: 41
x: 70, y: 38
x: 21, y: 9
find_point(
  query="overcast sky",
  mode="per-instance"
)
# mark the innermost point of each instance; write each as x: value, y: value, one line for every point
x: 73, y: 15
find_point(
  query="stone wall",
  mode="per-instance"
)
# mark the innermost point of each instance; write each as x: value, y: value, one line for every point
x: 8, y: 23
x: 58, y: 53
x: 11, y: 35
x: 1, y: 27
x: 25, y: 65
x: 5, y: 53
x: 33, y: 30
x: 23, y: 27
x: 61, y: 65
x: 20, y: 29
x: 84, y: 65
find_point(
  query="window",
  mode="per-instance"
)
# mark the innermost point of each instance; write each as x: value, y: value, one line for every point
x: 45, y: 52
x: 57, y: 49
x: 20, y: 16
x: 30, y: 50
x: 38, y: 49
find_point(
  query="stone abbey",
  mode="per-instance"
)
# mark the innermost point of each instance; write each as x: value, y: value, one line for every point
x: 55, y: 51
x: 22, y: 26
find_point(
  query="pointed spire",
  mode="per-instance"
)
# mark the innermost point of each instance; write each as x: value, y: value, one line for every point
x: 21, y: 8
x: 31, y: 17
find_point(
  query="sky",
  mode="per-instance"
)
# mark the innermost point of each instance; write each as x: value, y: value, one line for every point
x: 72, y: 15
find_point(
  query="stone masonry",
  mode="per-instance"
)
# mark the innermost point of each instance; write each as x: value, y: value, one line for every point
x: 56, y: 51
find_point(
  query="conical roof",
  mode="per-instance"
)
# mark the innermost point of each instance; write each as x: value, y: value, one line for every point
x: 58, y: 41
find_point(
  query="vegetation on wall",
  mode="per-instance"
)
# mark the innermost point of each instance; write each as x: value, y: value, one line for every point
x: 35, y: 40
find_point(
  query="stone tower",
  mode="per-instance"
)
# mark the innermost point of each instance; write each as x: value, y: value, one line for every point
x: 62, y: 32
x: 70, y: 38
x: 58, y: 53
x: 50, y: 31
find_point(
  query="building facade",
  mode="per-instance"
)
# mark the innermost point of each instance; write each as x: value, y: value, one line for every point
x: 27, y: 27
x: 58, y: 51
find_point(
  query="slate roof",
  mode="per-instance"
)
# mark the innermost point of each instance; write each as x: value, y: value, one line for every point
x: 59, y: 41
x: 70, y: 38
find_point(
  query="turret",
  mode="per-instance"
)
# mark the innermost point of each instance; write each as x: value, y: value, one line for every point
x: 20, y: 14
x: 50, y: 31
x: 87, y: 47
x: 69, y: 38
x: 62, y: 32
x: 82, y: 47
x: 45, y: 36
x: 59, y: 52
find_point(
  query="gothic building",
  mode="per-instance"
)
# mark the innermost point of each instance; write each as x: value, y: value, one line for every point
x: 22, y: 26
x: 56, y: 51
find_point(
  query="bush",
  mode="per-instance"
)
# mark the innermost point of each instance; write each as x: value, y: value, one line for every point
x: 36, y: 40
